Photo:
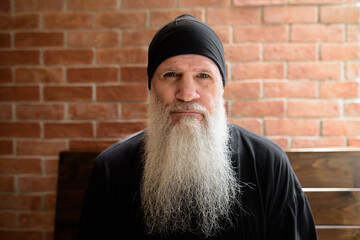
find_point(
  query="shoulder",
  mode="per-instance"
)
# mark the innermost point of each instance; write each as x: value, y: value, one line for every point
x: 259, y: 155
x: 249, y: 141
x: 128, y: 148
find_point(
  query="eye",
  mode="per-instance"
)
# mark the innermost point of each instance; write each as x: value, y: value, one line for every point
x: 203, y: 75
x: 170, y: 74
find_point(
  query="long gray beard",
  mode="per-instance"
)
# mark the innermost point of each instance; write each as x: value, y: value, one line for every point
x: 188, y: 183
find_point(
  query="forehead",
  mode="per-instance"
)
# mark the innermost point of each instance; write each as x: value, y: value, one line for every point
x: 191, y: 62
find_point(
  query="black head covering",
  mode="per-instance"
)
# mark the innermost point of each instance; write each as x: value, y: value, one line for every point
x: 185, y: 35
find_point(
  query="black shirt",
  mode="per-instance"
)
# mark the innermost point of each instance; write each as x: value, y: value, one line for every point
x: 273, y: 205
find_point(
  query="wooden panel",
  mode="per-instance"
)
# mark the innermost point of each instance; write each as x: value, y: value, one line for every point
x: 327, y: 169
x: 74, y: 172
x: 335, y: 208
x: 339, y: 234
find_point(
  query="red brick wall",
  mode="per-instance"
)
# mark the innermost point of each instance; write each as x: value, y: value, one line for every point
x: 73, y: 77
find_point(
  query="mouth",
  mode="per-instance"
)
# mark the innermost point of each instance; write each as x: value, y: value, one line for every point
x: 176, y: 115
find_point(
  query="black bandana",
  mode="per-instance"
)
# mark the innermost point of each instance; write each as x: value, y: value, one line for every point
x: 185, y: 35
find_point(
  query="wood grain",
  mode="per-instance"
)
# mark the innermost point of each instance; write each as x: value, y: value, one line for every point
x: 327, y: 169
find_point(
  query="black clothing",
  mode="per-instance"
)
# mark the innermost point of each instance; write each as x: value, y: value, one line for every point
x: 273, y: 205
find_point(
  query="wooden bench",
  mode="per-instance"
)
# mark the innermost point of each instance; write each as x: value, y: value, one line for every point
x: 331, y: 181
x: 330, y: 178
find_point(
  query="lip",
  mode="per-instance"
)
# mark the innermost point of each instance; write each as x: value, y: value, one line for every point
x: 179, y: 113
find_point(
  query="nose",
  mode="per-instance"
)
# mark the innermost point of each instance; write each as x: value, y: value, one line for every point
x: 187, y: 89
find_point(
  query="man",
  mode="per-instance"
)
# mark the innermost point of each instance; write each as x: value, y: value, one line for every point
x: 190, y: 174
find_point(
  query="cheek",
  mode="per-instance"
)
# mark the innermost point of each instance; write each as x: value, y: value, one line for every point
x: 209, y: 97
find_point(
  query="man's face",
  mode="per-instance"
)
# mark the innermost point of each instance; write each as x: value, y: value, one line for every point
x: 187, y: 78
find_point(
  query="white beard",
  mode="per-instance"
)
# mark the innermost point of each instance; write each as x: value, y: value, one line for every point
x: 188, y: 182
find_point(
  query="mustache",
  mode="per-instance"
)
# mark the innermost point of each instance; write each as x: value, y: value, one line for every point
x: 179, y: 106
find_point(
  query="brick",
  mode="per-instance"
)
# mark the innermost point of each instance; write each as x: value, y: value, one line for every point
x: 50, y: 202
x: 7, y: 184
x: 17, y: 57
x: 5, y: 6
x: 314, y: 1
x: 352, y: 109
x: 283, y: 142
x: 290, y: 52
x: 126, y: 4
x: 258, y: 33
x: 68, y: 20
x: 340, y: 52
x: 134, y: 110
x: 136, y: 37
x: 6, y: 147
x: 37, y: 183
x: 118, y: 129
x: 341, y: 128
x: 67, y: 93
x: 253, y: 125
x: 354, y: 142
x: 121, y: 19
x: 224, y: 33
x: 258, y: 70
x: 20, y: 21
x: 68, y: 130
x: 93, y: 111
x: 98, y: 74
x: 19, y: 129
x: 40, y: 147
x: 5, y: 75
x: 39, y: 75
x: 90, y: 145
x: 122, y: 55
x: 203, y: 3
x: 258, y: 108
x: 20, y: 202
x: 292, y: 127
x: 133, y: 74
x: 93, y: 38
x: 51, y: 166
x: 242, y: 90
x: 317, y: 33
x: 40, y: 111
x: 160, y: 17
x: 92, y: 4
x: 290, y: 89
x: 339, y: 89
x: 36, y: 220
x: 7, y: 220
x: 21, y: 234
x: 314, y: 70
x: 244, y: 52
x: 352, y: 70
x: 18, y: 93
x: 68, y: 56
x: 313, y: 108
x: 292, y: 14
x: 219, y: 16
x: 20, y: 165
x: 39, y: 39
x: 5, y: 111
x: 39, y: 5
x: 258, y: 2
x: 318, y: 142
x: 353, y: 33
x: 339, y: 14
x: 132, y: 92
x: 5, y: 41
